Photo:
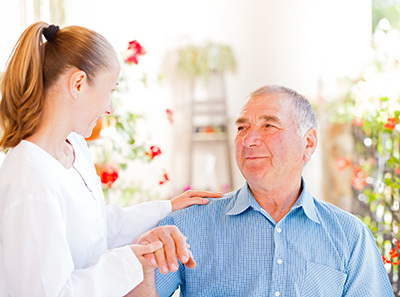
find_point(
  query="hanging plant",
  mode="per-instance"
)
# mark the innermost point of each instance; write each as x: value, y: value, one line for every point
x: 201, y: 61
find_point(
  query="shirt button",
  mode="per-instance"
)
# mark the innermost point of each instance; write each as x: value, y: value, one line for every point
x: 277, y: 293
x: 279, y: 230
x: 280, y: 261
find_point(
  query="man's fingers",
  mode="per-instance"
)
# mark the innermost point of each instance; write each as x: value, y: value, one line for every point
x: 181, y: 247
x: 173, y: 241
x: 151, y: 260
x: 161, y: 261
x: 191, y: 263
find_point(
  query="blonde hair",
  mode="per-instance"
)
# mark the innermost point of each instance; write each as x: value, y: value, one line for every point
x: 35, y: 65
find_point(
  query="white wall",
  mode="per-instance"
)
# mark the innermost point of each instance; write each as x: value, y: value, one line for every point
x: 301, y: 44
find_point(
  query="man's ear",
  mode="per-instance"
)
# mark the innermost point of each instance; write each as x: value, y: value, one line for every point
x: 77, y: 79
x: 311, y: 140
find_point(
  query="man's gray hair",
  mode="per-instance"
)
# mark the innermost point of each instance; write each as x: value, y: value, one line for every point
x: 303, y: 113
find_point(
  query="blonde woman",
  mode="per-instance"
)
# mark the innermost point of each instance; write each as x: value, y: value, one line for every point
x: 57, y: 238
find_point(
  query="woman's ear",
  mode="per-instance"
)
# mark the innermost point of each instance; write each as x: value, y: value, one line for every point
x: 77, y: 79
x: 311, y: 140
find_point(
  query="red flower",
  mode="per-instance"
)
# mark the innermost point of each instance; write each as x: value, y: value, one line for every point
x: 108, y: 173
x: 170, y: 115
x: 386, y: 261
x: 391, y: 123
x: 393, y: 253
x: 135, y: 50
x: 342, y: 163
x: 153, y: 152
x: 358, y: 178
x: 397, y: 243
x: 358, y: 121
x: 164, y: 179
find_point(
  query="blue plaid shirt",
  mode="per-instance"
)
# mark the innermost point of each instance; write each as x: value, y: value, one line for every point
x: 317, y: 249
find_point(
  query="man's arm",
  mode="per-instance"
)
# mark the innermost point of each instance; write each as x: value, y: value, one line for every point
x: 366, y: 273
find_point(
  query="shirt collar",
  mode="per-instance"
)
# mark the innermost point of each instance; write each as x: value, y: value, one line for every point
x: 245, y: 199
x: 306, y: 201
x: 242, y: 201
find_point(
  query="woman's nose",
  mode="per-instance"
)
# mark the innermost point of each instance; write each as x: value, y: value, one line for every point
x: 110, y: 108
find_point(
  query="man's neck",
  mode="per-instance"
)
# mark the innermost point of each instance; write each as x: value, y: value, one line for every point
x: 276, y: 201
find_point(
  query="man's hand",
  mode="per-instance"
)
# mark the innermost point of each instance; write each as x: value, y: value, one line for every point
x: 190, y: 197
x: 174, y: 247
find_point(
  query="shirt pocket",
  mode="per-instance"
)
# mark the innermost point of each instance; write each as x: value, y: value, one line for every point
x: 321, y: 280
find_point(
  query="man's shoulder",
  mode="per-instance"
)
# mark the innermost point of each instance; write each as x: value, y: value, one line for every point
x: 215, y: 207
x: 332, y: 215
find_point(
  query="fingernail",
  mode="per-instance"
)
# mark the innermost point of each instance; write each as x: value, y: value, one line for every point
x: 185, y: 258
x: 164, y: 269
x: 174, y: 267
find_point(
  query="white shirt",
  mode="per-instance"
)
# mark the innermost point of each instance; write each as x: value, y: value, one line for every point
x: 56, y: 236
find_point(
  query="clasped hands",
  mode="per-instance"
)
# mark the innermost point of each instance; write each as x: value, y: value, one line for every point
x: 162, y: 246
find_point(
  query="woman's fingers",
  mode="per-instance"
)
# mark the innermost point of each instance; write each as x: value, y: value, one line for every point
x: 191, y: 197
x: 142, y: 249
x: 208, y: 194
x: 145, y: 252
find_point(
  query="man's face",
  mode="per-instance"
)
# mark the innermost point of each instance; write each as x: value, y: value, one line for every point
x: 269, y: 153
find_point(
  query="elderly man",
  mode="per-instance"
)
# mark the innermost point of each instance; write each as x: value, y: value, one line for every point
x: 272, y: 237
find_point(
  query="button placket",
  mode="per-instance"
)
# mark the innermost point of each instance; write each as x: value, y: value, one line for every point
x: 278, y: 268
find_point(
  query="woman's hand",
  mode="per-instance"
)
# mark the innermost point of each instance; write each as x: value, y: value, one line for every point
x: 191, y: 197
x: 141, y: 251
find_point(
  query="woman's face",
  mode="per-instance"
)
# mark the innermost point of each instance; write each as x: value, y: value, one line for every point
x: 95, y: 100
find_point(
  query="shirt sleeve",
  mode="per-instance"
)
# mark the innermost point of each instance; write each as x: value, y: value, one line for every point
x: 366, y: 273
x: 167, y: 284
x: 38, y: 262
x: 124, y: 224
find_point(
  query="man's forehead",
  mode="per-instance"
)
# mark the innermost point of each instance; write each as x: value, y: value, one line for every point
x: 264, y: 107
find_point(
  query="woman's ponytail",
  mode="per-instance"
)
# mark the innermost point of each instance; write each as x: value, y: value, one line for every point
x: 21, y: 87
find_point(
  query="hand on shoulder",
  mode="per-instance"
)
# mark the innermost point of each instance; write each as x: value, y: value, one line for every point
x: 191, y: 197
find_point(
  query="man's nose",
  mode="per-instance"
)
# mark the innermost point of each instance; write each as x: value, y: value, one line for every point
x: 252, y: 138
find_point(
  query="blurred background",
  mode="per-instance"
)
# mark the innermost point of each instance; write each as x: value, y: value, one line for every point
x: 305, y: 45
x: 187, y: 67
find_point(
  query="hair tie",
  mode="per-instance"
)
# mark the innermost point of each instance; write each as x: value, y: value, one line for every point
x: 50, y: 32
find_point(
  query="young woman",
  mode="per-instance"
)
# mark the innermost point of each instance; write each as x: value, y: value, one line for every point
x: 57, y: 238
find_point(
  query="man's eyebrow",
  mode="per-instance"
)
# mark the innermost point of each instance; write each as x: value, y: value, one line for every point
x: 241, y: 121
x: 270, y: 118
x: 266, y: 118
